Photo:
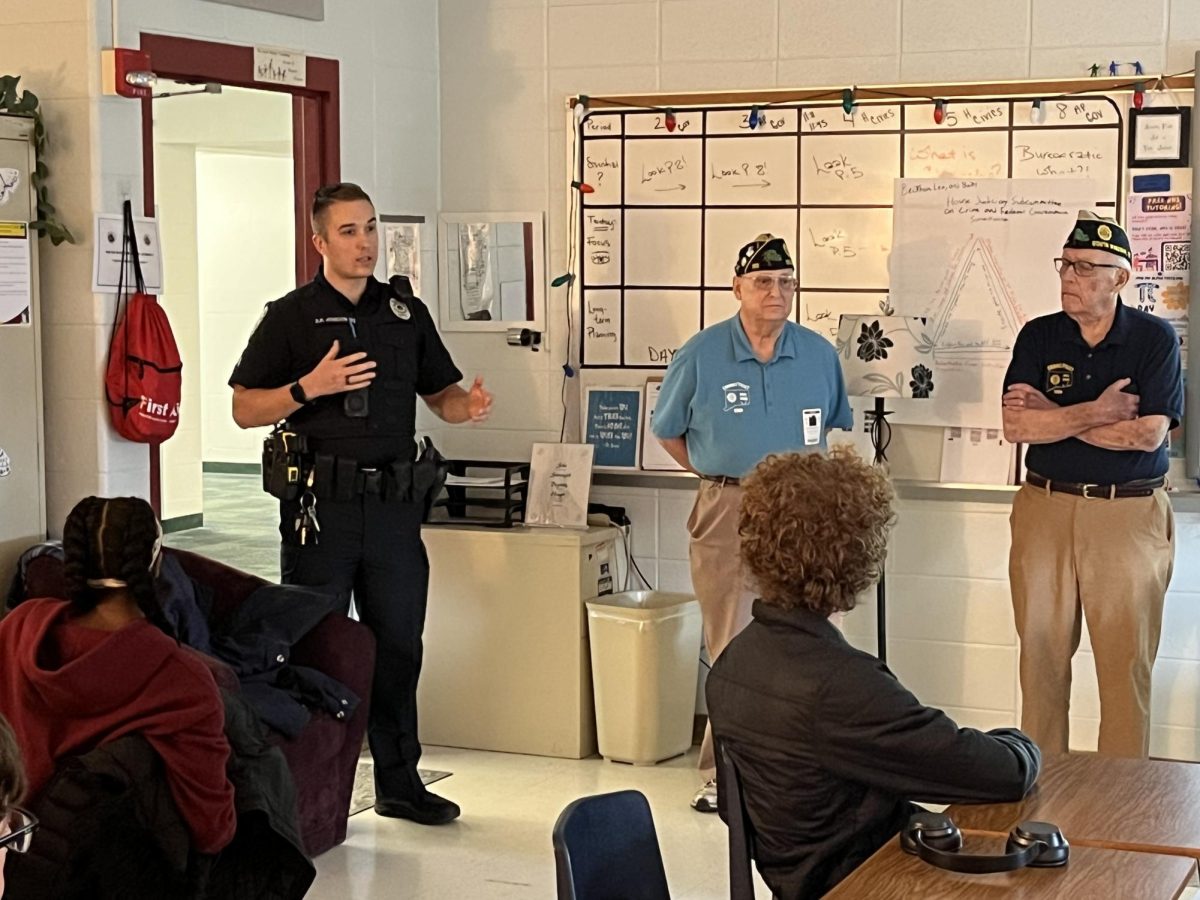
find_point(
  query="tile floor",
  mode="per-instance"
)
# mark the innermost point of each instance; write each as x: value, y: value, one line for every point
x: 500, y: 848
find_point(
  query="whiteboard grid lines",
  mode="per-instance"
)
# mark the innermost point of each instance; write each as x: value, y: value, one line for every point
x: 838, y: 217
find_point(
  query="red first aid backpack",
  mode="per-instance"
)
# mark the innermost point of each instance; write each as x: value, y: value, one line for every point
x: 144, y: 381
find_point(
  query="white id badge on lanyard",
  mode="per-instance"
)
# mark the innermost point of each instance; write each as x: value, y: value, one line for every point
x: 812, y: 427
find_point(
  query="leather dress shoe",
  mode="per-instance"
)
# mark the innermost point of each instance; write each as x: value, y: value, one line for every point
x: 428, y: 809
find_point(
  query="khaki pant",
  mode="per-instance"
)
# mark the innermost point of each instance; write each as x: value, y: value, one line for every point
x: 1110, y: 560
x: 717, y: 579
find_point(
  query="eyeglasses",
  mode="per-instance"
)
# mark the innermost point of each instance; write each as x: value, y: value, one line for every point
x: 1083, y: 268
x: 785, y: 283
x: 16, y: 830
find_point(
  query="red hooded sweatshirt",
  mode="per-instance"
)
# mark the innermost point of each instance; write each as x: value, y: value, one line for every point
x: 67, y: 689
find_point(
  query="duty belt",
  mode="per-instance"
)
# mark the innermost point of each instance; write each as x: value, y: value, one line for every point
x: 1143, y: 487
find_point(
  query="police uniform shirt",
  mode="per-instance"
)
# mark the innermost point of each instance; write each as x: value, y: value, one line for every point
x: 397, y: 333
x: 734, y: 409
x: 1052, y: 356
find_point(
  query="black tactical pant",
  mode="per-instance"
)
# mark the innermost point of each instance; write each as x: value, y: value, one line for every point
x: 372, y: 549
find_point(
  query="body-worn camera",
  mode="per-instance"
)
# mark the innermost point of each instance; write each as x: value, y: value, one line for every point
x: 356, y: 404
x: 282, y: 460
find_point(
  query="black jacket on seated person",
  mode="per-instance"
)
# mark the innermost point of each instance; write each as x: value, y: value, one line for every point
x: 831, y: 748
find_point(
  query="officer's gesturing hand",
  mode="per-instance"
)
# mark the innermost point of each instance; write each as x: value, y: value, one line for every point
x: 479, y: 401
x: 335, y: 376
x: 1116, y: 404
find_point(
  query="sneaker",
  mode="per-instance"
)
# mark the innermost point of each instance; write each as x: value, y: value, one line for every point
x: 429, y: 809
x: 706, y: 798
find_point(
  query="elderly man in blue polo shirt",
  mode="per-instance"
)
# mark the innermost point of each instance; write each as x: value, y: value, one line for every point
x: 1093, y: 391
x: 754, y: 384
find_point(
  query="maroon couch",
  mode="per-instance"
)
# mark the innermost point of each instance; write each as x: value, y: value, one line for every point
x: 324, y: 756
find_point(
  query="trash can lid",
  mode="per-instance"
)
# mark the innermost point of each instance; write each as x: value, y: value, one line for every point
x: 643, y: 601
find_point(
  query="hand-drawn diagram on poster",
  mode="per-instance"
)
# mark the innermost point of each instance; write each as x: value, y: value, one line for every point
x: 1160, y: 231
x: 973, y: 257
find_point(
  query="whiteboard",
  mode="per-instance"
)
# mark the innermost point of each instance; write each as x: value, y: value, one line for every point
x: 726, y: 231
x: 844, y: 247
x: 847, y: 169
x: 662, y: 247
x: 659, y: 236
x: 663, y: 172
x: 758, y: 171
x: 658, y: 323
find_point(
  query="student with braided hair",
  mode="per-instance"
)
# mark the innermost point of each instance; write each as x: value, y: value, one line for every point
x: 79, y: 673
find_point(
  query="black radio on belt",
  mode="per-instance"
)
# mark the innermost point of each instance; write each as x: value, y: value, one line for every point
x: 282, y: 459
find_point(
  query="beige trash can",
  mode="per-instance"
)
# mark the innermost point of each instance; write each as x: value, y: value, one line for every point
x: 645, y: 660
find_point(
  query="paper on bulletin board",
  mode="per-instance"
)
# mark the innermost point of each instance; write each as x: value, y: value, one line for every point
x: 402, y: 248
x: 977, y: 456
x: 106, y: 261
x: 654, y: 457
x: 16, y: 274
x: 1160, y: 233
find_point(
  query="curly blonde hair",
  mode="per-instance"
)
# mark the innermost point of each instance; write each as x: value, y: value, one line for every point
x: 814, y: 528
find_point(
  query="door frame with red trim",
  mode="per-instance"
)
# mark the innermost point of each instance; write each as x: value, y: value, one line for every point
x: 316, y: 137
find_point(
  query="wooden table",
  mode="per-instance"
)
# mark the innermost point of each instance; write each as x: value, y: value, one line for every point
x: 1098, y: 801
x: 892, y: 874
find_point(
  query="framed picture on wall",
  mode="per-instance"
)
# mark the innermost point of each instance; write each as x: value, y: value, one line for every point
x: 1159, y: 137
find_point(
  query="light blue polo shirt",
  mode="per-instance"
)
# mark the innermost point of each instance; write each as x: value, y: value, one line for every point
x: 734, y: 410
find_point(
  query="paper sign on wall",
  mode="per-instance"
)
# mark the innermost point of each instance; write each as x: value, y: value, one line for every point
x: 16, y: 274
x: 106, y: 261
x: 275, y: 66
x: 654, y: 457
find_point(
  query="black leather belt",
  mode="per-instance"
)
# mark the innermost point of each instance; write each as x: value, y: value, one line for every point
x: 1143, y: 487
x: 722, y: 480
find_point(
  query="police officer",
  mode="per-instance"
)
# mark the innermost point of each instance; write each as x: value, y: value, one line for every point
x: 1092, y: 390
x: 754, y: 384
x: 343, y: 359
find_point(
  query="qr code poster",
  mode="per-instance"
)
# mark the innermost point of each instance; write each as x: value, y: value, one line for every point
x: 1160, y: 230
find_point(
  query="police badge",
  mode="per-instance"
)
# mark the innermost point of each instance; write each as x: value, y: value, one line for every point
x: 400, y: 309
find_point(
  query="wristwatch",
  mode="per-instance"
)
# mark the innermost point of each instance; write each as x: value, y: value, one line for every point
x: 298, y: 393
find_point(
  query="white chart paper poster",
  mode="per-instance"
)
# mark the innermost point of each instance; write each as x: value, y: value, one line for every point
x: 973, y: 257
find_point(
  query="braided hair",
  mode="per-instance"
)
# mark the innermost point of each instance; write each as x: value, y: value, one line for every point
x: 113, y: 543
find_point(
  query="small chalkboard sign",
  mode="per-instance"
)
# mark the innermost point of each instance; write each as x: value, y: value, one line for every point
x: 612, y: 422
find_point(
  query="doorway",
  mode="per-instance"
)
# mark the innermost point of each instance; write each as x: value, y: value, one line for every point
x: 240, y: 161
x: 223, y: 168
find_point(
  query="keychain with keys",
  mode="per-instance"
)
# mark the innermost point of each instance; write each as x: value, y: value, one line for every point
x: 306, y: 518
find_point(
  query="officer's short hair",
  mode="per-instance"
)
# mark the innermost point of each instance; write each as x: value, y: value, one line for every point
x: 329, y: 194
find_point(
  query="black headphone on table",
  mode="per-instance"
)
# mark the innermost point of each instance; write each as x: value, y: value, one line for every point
x: 936, y: 839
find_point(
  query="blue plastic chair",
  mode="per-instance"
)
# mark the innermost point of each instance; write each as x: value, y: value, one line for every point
x: 606, y: 848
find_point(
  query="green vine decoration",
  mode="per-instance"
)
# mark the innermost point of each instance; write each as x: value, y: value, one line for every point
x: 25, y: 103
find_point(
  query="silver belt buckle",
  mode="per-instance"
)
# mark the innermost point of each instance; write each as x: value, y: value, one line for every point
x: 1087, y: 495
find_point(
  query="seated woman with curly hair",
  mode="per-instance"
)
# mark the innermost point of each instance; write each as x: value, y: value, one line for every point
x: 77, y: 674
x: 831, y: 748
